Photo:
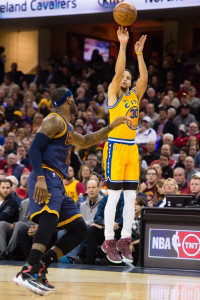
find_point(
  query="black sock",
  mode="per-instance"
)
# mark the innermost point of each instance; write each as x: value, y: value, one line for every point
x: 49, y: 257
x: 34, y: 257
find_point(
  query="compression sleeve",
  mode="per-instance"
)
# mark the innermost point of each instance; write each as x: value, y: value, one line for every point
x: 39, y: 144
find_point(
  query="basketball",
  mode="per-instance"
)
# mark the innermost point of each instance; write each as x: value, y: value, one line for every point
x: 125, y: 14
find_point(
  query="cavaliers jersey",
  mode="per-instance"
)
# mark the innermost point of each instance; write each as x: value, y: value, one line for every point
x: 58, y: 152
x: 126, y: 105
x: 71, y: 191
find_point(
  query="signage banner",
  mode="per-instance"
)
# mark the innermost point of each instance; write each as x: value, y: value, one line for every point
x: 174, y: 244
x: 10, y: 9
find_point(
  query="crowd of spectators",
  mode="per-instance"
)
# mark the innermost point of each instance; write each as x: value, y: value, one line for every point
x: 167, y: 136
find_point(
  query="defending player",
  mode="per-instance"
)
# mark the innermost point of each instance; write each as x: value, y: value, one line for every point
x: 121, y: 158
x: 49, y: 206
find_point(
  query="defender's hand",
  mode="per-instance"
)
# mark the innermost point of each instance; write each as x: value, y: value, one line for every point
x: 118, y: 121
x: 139, y: 45
x: 41, y: 191
x: 123, y: 35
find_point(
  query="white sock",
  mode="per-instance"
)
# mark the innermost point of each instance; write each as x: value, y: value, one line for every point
x: 128, y: 213
x: 109, y: 213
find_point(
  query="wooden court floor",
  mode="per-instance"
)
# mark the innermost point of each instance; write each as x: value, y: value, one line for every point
x: 75, y: 284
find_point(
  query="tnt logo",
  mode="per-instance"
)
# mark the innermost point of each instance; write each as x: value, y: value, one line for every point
x: 191, y: 245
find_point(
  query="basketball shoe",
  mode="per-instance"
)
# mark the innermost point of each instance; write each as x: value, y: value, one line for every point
x: 43, y: 279
x: 109, y: 247
x: 28, y: 278
x: 123, y: 246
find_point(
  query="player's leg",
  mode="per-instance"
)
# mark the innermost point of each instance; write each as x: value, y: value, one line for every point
x: 114, y: 176
x: 76, y: 231
x: 31, y: 272
x: 47, y: 224
x: 131, y: 177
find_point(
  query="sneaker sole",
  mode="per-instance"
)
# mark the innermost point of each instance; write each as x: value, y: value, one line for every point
x: 113, y: 261
x: 19, y: 281
x: 47, y: 288
x: 127, y: 259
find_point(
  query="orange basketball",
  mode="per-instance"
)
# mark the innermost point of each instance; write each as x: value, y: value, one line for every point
x: 125, y: 14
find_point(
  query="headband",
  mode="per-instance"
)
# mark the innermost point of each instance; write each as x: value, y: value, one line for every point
x: 62, y: 100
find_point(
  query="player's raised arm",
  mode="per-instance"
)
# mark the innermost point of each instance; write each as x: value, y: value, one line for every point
x: 93, y: 138
x: 114, y: 87
x: 141, y: 83
x: 50, y: 126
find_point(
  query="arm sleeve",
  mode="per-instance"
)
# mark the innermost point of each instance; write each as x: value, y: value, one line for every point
x: 35, y: 152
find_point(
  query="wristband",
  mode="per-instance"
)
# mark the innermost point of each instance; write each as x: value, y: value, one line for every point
x: 109, y: 127
x: 138, y: 53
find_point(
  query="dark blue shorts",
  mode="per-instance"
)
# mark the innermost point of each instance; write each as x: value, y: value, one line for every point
x: 58, y: 202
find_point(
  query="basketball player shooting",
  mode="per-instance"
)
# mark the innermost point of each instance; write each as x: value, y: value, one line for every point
x: 121, y: 158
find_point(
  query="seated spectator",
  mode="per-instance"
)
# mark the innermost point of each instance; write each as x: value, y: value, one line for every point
x: 159, y: 171
x: 193, y: 141
x: 37, y: 120
x: 193, y: 101
x: 103, y: 189
x: 92, y: 161
x: 145, y: 134
x: 84, y: 174
x: 14, y: 186
x: 164, y: 125
x: 3, y: 161
x: 173, y: 100
x: 140, y: 202
x: 149, y: 187
x: 195, y: 187
x: 160, y: 193
x: 150, y: 109
x: 183, y: 138
x: 171, y: 114
x: 184, y: 87
x: 165, y: 102
x: 12, y: 168
x: 152, y: 98
x: 20, y: 135
x: 43, y: 107
x: 9, y: 231
x: 90, y: 124
x: 150, y: 154
x: 164, y: 163
x: 22, y: 190
x: 9, y: 147
x: 170, y: 187
x: 166, y: 149
x: 189, y: 167
x: 184, y: 118
x: 72, y: 186
x: 168, y: 138
x: 101, y: 98
x: 193, y: 152
x: 8, y: 205
x: 22, y: 157
x: 180, y: 178
x: 182, y: 156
